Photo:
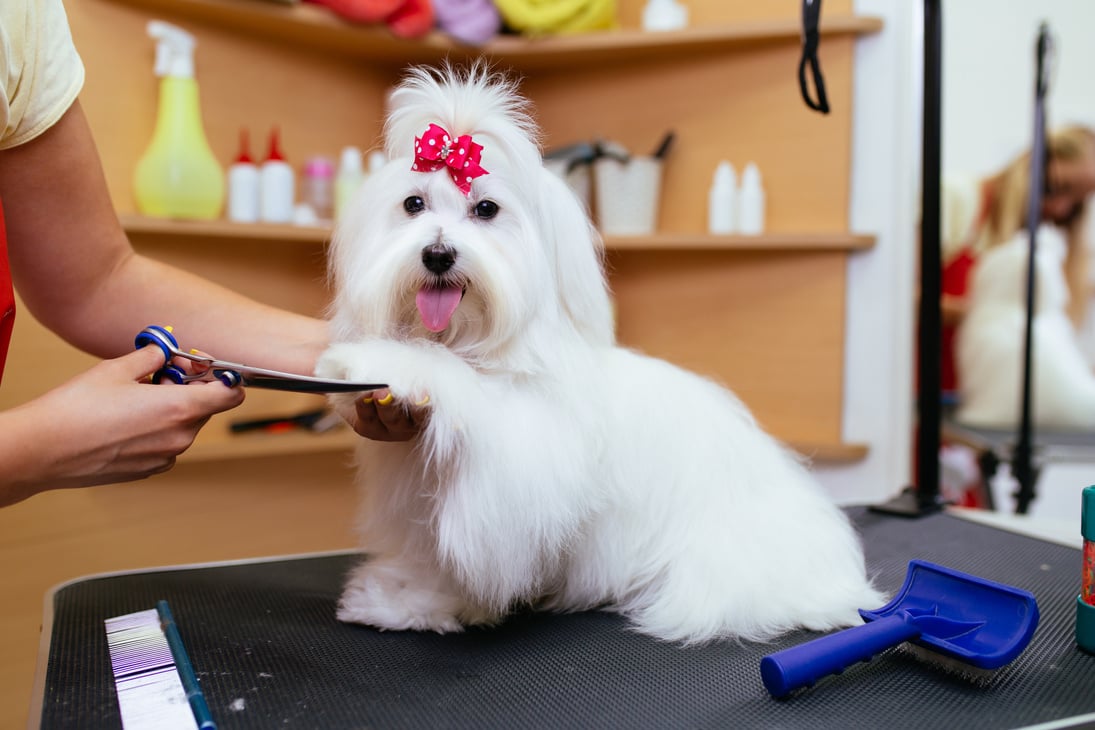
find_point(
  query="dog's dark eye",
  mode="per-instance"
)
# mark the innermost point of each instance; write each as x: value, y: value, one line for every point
x: 414, y: 204
x: 486, y: 209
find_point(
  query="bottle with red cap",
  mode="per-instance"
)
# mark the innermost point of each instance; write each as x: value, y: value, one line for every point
x: 277, y: 185
x: 243, y: 185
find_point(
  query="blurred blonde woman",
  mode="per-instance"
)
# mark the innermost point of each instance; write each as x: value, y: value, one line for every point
x: 979, y: 214
x: 991, y: 306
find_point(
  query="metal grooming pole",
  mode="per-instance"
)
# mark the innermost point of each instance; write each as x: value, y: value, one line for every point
x: 1022, y: 464
x: 923, y: 497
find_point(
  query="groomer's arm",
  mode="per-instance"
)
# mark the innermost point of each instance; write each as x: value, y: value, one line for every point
x: 78, y: 274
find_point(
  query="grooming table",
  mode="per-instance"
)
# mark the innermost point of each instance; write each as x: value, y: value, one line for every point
x: 996, y: 446
x: 1048, y: 445
x: 269, y: 653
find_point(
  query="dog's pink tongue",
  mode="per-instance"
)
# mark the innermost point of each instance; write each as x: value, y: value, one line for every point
x: 436, y: 305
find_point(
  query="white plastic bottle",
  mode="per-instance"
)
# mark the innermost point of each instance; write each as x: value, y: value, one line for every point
x: 661, y: 15
x: 751, y: 202
x: 243, y: 185
x: 377, y: 161
x: 277, y: 185
x: 351, y: 173
x: 722, y: 200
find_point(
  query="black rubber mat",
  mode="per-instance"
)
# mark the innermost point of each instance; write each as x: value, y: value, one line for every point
x: 269, y: 654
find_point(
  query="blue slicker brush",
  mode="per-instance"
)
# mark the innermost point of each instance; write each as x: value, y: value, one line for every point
x: 963, y: 623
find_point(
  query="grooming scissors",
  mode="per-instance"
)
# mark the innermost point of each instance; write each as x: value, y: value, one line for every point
x: 233, y: 374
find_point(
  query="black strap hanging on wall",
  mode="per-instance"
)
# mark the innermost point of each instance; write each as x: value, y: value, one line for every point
x: 811, y: 14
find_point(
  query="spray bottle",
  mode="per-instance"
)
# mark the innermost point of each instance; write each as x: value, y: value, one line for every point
x: 178, y: 176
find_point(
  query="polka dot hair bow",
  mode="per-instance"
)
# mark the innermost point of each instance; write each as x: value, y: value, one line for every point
x: 435, y: 150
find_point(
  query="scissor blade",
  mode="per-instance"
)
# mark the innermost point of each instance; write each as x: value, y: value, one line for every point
x: 304, y: 384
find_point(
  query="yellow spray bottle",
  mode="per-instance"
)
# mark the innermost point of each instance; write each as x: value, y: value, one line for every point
x: 178, y: 176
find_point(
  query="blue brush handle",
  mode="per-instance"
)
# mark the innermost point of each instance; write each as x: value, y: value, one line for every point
x: 802, y: 665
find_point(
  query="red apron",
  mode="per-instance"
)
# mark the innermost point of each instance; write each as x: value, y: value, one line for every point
x: 7, y: 297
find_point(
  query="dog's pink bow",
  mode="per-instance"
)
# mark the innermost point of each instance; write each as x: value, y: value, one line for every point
x: 435, y: 149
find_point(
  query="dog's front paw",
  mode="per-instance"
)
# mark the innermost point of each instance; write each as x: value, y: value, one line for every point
x: 409, y: 370
x: 387, y: 598
x: 343, y: 361
x: 352, y: 609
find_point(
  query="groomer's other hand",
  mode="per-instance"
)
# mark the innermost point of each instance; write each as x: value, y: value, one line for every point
x: 108, y: 424
x: 381, y: 417
x: 149, y: 425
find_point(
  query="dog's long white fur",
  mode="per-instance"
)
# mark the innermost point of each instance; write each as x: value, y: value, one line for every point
x: 556, y: 468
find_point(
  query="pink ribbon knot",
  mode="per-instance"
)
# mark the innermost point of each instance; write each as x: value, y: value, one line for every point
x: 435, y: 150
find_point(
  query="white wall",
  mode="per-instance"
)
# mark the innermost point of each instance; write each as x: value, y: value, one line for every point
x: 884, y: 201
x: 988, y: 76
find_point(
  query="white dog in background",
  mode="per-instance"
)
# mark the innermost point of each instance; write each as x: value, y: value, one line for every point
x: 556, y: 470
x: 992, y: 336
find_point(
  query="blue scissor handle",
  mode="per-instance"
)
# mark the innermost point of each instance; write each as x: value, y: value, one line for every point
x: 229, y: 377
x: 172, y: 373
x: 160, y: 337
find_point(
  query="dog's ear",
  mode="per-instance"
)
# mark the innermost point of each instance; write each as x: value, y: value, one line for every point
x: 578, y: 260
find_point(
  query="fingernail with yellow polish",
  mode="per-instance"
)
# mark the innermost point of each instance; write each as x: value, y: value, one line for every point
x: 367, y: 399
x: 424, y: 401
x: 386, y: 400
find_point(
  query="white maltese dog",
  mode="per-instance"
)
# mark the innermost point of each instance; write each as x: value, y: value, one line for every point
x: 556, y: 470
x: 991, y: 339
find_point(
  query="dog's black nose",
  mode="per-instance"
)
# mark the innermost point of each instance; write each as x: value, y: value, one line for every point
x: 438, y: 258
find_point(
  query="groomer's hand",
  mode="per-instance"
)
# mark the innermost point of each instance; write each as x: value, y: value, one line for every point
x: 379, y: 416
x: 109, y: 424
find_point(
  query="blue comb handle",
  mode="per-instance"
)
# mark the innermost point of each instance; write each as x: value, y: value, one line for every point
x: 802, y: 665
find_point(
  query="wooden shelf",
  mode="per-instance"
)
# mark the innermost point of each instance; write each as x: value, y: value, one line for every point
x: 175, y: 229
x: 316, y: 27
x: 831, y: 453
x: 165, y: 227
x: 763, y: 242
x: 215, y: 444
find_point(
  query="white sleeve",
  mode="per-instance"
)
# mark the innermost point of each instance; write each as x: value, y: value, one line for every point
x: 41, y: 73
